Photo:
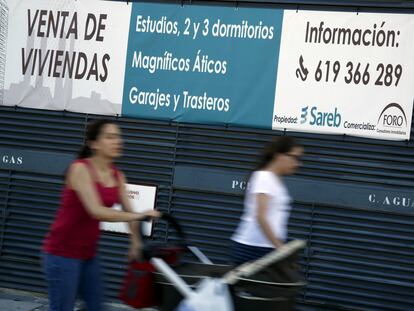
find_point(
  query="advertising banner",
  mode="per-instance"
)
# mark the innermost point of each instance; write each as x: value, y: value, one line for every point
x: 66, y: 55
x: 346, y: 73
x: 207, y: 64
x: 299, y: 70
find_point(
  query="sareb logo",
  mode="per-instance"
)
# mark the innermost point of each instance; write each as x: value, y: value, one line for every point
x: 320, y: 118
x: 304, y: 115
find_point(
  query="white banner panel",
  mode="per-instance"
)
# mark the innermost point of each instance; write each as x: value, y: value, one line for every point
x: 142, y: 198
x: 66, y: 55
x: 346, y: 73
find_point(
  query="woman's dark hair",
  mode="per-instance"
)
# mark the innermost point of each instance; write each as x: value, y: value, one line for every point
x: 279, y: 145
x: 93, y: 130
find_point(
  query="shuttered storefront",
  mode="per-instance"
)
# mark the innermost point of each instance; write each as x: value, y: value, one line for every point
x: 357, y: 257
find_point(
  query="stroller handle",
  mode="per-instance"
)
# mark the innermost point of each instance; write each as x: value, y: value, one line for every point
x: 183, y: 239
x: 171, y: 221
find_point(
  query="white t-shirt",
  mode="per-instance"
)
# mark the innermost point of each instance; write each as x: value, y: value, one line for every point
x: 249, y: 230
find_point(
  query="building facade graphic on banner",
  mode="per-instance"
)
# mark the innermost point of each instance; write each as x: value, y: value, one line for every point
x: 4, y: 20
x: 67, y: 55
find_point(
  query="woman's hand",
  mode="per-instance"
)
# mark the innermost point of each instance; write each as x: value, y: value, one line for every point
x: 153, y: 214
x: 135, y: 247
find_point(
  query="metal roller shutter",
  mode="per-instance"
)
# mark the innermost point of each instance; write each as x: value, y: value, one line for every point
x: 356, y: 258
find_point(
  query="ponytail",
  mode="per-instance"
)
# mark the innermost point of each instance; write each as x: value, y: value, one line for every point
x: 84, y: 152
x: 93, y: 130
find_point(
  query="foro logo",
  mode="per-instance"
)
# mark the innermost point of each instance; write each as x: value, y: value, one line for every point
x: 392, y: 115
x: 9, y: 159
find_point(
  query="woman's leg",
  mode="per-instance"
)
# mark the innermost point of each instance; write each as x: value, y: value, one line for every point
x: 91, y: 288
x: 62, y: 276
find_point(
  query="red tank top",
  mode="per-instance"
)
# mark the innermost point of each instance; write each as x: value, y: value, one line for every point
x: 75, y: 233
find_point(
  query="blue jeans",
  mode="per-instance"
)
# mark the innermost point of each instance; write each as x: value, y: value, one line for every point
x: 68, y: 277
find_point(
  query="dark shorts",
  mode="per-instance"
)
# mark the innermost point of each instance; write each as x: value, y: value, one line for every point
x: 241, y: 253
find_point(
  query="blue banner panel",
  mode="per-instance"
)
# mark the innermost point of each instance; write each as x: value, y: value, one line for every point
x: 204, y: 64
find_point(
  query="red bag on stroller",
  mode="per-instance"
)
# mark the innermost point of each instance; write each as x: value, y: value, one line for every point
x: 139, y: 289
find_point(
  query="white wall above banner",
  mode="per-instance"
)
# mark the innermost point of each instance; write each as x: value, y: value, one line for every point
x: 142, y: 199
x: 346, y: 73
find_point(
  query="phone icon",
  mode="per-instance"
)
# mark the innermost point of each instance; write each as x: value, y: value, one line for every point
x: 302, y: 71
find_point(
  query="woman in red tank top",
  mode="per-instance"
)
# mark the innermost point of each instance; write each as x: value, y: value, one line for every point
x: 92, y: 186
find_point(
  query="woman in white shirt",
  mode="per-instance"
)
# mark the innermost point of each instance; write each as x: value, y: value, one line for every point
x: 263, y: 225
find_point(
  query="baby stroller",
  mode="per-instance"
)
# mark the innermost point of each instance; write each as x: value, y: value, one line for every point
x: 268, y: 283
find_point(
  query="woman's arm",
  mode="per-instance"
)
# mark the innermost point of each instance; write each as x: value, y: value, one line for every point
x: 262, y: 207
x: 80, y: 180
x: 134, y: 227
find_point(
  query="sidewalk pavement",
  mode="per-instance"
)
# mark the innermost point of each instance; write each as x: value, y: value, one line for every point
x: 16, y: 300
